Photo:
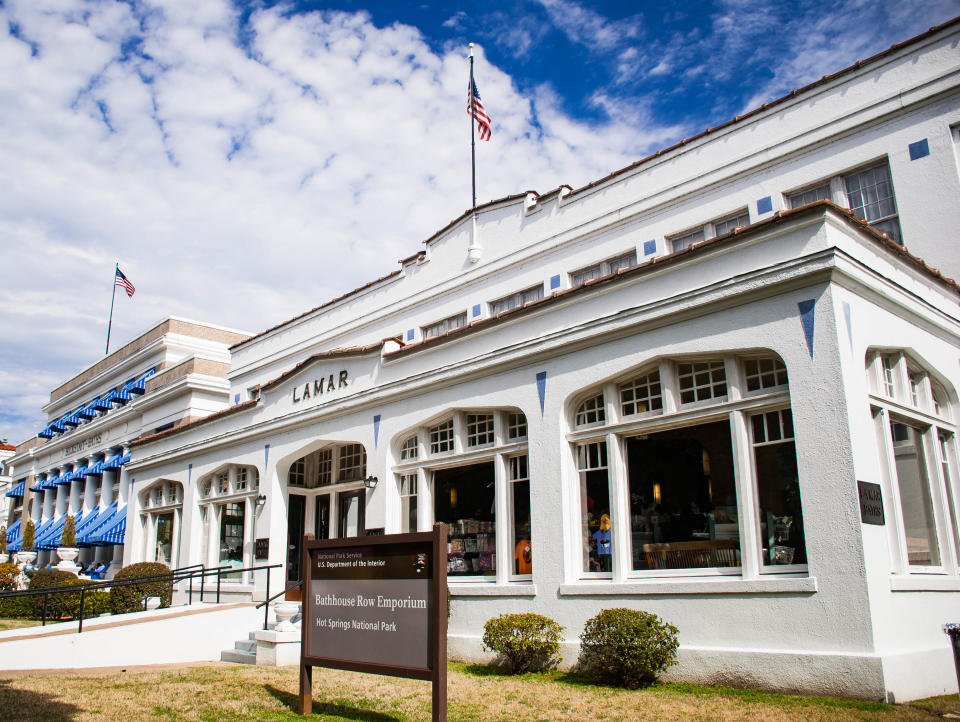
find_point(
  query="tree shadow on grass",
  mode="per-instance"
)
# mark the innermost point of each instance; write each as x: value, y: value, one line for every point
x: 292, y: 702
x: 24, y: 705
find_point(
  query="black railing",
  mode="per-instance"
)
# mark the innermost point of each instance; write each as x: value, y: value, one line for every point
x: 171, y: 579
x: 266, y: 602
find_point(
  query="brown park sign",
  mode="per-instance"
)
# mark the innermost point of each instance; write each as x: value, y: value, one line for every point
x: 377, y: 604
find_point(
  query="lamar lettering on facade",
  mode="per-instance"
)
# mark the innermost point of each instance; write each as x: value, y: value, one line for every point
x: 318, y: 386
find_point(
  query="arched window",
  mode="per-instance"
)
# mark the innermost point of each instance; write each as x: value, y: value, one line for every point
x: 681, y: 462
x: 917, y: 435
x: 161, y: 516
x: 227, y: 506
x: 454, y: 477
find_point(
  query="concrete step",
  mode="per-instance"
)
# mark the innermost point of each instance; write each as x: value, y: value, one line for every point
x: 237, y: 656
x: 246, y: 645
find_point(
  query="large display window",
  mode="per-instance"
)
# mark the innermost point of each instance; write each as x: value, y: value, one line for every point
x: 485, y: 498
x: 686, y: 447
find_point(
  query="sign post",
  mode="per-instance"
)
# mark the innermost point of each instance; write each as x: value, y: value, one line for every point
x: 376, y: 604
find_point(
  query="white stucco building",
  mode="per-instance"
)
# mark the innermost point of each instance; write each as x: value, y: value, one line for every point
x: 701, y: 386
x: 172, y: 373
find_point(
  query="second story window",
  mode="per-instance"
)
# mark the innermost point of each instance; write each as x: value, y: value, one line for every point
x: 448, y: 324
x: 870, y: 195
x: 516, y: 300
x: 598, y: 270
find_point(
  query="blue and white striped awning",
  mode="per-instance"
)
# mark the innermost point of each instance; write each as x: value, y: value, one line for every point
x: 105, y: 402
x: 112, y: 530
x: 47, y: 433
x: 116, y: 533
x: 50, y: 482
x: 42, y: 529
x: 52, y: 539
x: 39, y: 485
x: 18, y: 489
x: 116, y: 462
x: 96, y: 524
x: 14, y: 537
x: 71, y: 419
x: 88, y: 412
x: 138, y: 386
x: 96, y: 469
x: 48, y: 532
x: 89, y: 522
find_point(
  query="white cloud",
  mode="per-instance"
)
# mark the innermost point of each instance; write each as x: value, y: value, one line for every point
x: 235, y: 184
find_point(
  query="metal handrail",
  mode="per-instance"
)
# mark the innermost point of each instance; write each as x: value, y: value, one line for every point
x: 266, y: 602
x: 174, y: 576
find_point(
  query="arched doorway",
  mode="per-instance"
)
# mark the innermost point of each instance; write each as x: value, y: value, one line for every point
x: 326, y: 497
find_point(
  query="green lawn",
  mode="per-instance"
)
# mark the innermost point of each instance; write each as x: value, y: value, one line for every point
x: 475, y: 694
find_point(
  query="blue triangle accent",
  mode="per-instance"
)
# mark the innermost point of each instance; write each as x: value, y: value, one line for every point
x: 189, y: 473
x: 846, y: 315
x: 266, y: 457
x: 542, y: 388
x: 806, y: 319
x: 376, y: 430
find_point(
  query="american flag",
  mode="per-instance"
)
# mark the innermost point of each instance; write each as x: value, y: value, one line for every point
x: 124, y: 283
x: 475, y: 110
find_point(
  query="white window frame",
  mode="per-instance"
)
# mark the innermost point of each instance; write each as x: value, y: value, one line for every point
x: 735, y: 407
x: 708, y: 230
x: 460, y: 453
x: 888, y: 369
x: 627, y: 259
x: 439, y: 328
x: 838, y: 190
x: 516, y: 300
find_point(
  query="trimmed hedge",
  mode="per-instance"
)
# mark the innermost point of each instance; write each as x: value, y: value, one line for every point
x: 130, y: 598
x: 525, y: 642
x: 58, y: 605
x: 626, y: 647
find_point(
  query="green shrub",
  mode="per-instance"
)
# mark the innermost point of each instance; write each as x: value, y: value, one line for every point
x: 130, y: 598
x: 9, y: 573
x: 68, y: 537
x: 95, y: 603
x: 28, y: 531
x: 627, y: 647
x: 16, y: 608
x: 59, y: 604
x: 525, y: 642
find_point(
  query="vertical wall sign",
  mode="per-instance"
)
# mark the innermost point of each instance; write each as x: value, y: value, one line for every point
x: 377, y: 605
x: 542, y: 388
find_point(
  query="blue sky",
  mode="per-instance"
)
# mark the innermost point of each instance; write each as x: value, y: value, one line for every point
x: 247, y: 161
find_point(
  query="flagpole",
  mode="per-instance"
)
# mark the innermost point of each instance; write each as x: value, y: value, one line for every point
x: 473, y: 132
x: 113, y: 295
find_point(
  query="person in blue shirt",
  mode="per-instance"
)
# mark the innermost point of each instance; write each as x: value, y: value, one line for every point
x: 602, y: 539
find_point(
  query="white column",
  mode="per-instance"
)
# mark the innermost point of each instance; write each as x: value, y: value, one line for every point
x: 106, y: 487
x: 501, y: 520
x: 620, y: 522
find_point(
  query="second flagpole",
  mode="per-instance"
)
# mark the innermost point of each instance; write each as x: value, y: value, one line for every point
x: 113, y: 295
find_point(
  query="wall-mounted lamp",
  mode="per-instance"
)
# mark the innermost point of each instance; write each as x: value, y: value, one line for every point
x: 261, y: 500
x: 371, y: 482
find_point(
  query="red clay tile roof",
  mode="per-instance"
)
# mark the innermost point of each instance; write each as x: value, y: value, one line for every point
x: 737, y: 119
x: 659, y: 261
x: 7, y: 447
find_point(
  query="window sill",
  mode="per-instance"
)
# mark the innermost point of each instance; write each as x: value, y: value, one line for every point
x: 486, y: 589
x: 766, y: 585
x: 924, y: 583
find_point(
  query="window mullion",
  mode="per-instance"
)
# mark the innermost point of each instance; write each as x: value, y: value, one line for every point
x: 619, y: 508
x: 748, y: 510
x: 938, y: 497
x: 669, y: 388
x: 502, y: 520
x: 897, y: 532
